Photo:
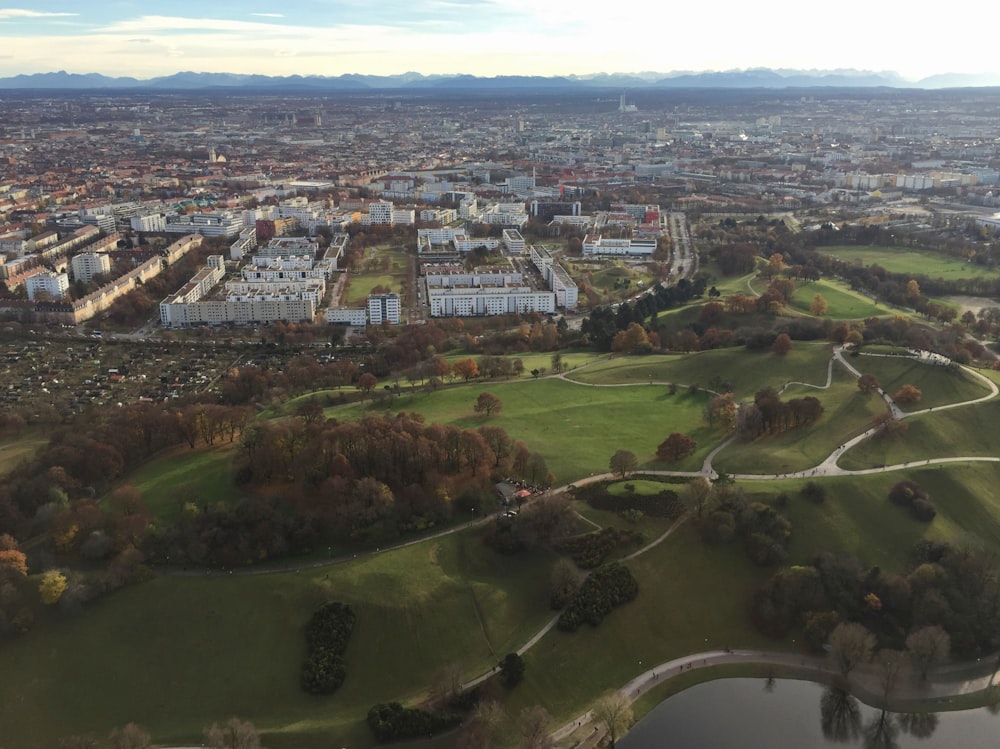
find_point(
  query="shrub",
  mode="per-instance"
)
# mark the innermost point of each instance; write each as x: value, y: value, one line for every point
x: 511, y: 670
x: 604, y: 590
x: 814, y: 491
x: 327, y: 634
x: 923, y: 509
x: 391, y: 721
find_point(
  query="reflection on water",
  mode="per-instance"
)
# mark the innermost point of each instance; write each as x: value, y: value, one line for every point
x: 759, y: 714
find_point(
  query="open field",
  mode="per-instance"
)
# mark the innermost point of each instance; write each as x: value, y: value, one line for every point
x: 20, y: 448
x: 842, y: 302
x: 847, y: 413
x: 897, y: 260
x: 383, y: 266
x: 203, y: 476
x: 945, y: 434
x: 175, y: 654
x: 746, y: 372
x: 575, y: 427
x: 939, y: 385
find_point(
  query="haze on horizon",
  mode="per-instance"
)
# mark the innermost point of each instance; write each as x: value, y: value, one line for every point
x: 150, y: 38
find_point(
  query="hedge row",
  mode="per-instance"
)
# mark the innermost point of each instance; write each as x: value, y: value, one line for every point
x: 590, y: 550
x: 327, y: 634
x: 665, y: 504
x: 391, y: 721
x: 602, y: 591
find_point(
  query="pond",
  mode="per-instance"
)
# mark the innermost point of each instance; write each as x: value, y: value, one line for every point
x: 759, y: 714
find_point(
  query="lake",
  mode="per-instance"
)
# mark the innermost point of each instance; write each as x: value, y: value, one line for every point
x: 748, y: 714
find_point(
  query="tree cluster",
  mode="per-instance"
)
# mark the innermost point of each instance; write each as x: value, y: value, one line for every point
x: 764, y: 531
x: 604, y: 590
x: 327, y: 634
x: 956, y: 590
x: 663, y: 504
x: 768, y: 415
x: 912, y: 497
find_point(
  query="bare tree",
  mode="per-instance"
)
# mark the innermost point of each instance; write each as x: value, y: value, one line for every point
x: 850, y: 645
x: 446, y: 684
x: 928, y: 646
x: 614, y: 712
x: 233, y: 734
x: 129, y: 736
x: 890, y: 663
x: 624, y: 462
x: 535, y: 725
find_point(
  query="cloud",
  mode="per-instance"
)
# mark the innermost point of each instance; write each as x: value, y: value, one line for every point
x: 7, y: 14
x: 269, y: 15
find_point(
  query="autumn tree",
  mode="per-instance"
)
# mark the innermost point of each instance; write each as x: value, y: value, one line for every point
x: 367, y: 383
x: 907, y: 394
x: 484, y: 726
x: 466, y: 368
x: 52, y: 586
x: 850, y: 645
x: 721, y: 412
x: 889, y: 425
x: 614, y: 713
x: 928, y: 646
x: 676, y: 447
x: 819, y: 306
x: 233, y: 734
x: 631, y: 340
x: 623, y: 462
x: 782, y: 345
x: 488, y: 404
x: 868, y: 383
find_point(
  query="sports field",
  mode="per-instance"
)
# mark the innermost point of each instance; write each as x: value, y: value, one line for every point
x: 898, y: 260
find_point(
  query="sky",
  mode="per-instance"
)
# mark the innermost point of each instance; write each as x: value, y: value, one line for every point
x: 150, y: 38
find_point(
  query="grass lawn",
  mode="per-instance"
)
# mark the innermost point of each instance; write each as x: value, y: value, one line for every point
x: 15, y: 450
x: 842, y: 302
x: 746, y: 372
x: 203, y: 476
x: 953, y: 433
x: 690, y: 595
x: 575, y: 427
x: 175, y: 654
x: 939, y: 385
x: 364, y: 280
x: 847, y: 412
x: 857, y: 516
x: 919, y: 263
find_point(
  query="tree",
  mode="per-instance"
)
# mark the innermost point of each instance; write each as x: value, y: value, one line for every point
x: 535, y: 724
x: 908, y: 394
x: 697, y: 494
x: 614, y: 712
x: 488, y: 404
x: 851, y: 644
x: 483, y: 727
x: 623, y: 462
x: 52, y: 586
x: 928, y: 646
x: 676, y: 447
x: 367, y: 383
x: 721, y: 412
x: 129, y: 736
x: 819, y: 306
x: 446, y: 684
x: 466, y: 369
x: 868, y: 383
x: 890, y: 663
x: 782, y: 345
x: 14, y: 562
x: 511, y: 670
x: 233, y: 734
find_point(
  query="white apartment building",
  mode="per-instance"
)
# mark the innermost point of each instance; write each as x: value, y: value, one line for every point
x: 384, y: 308
x: 513, y: 242
x: 558, y: 279
x: 47, y: 285
x: 214, y: 224
x: 594, y: 244
x: 499, y: 300
x: 356, y: 316
x: 86, y: 265
x: 148, y: 222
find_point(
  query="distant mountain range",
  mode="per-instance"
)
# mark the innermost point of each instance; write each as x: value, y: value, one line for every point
x: 732, y: 79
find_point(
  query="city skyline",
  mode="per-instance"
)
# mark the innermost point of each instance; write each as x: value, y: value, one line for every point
x: 478, y: 37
